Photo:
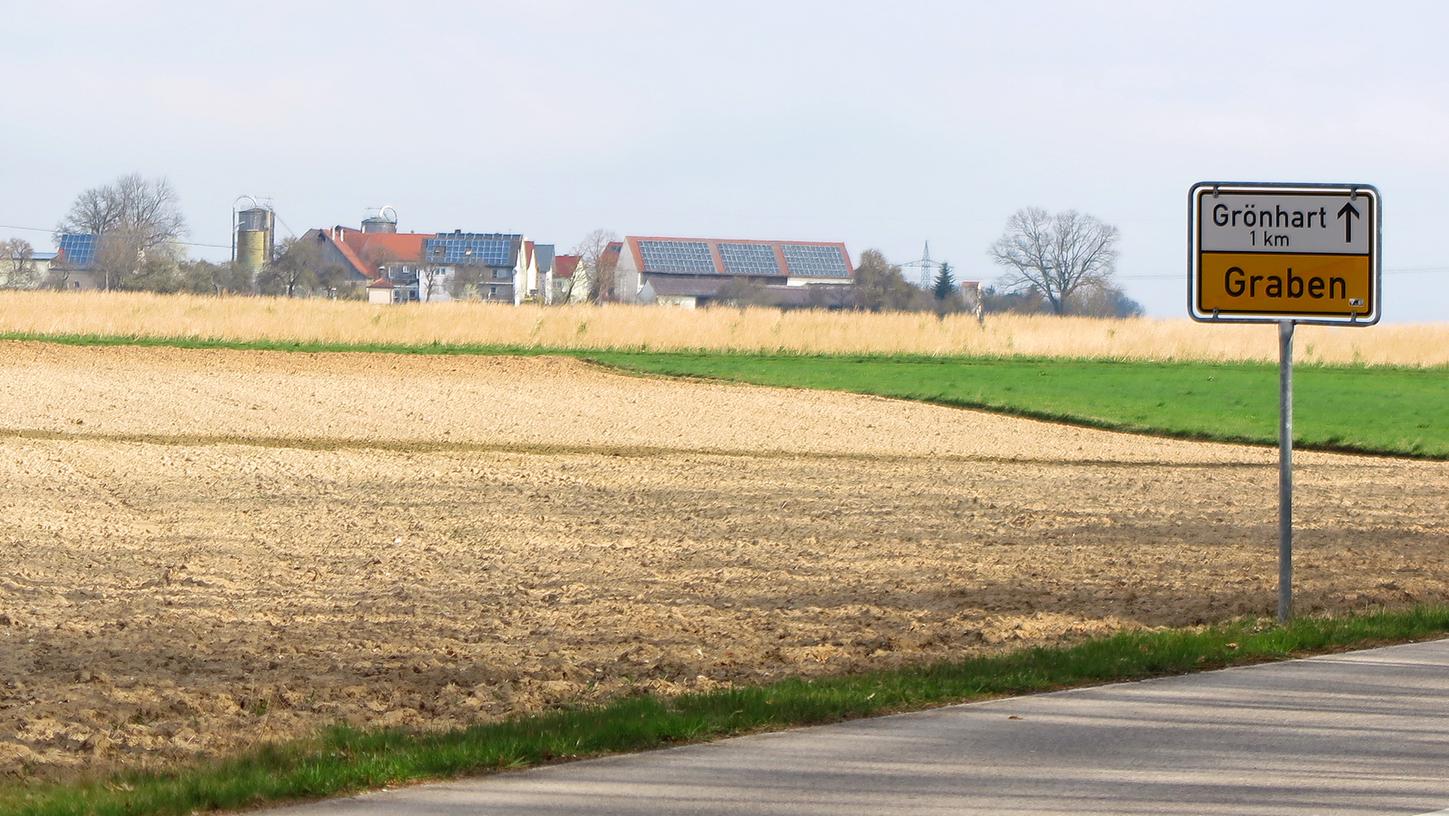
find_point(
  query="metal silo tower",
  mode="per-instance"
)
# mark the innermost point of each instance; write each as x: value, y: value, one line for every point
x: 255, y: 235
x: 384, y: 221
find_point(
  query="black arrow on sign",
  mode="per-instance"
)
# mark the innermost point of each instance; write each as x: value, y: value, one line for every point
x: 1348, y: 213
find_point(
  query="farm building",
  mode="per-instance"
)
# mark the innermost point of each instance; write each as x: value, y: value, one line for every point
x: 73, y: 264
x: 40, y: 262
x: 691, y: 271
x: 422, y: 266
x: 383, y: 291
x: 694, y: 294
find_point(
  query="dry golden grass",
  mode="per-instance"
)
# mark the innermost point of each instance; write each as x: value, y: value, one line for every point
x: 654, y: 328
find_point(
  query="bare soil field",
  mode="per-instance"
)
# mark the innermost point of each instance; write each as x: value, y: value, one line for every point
x: 203, y: 549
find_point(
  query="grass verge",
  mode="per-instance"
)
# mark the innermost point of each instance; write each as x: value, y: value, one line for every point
x: 344, y: 759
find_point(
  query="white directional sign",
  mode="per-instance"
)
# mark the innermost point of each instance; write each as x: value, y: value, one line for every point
x: 1308, y: 253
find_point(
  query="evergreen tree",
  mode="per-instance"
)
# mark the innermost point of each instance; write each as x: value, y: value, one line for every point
x: 945, y: 283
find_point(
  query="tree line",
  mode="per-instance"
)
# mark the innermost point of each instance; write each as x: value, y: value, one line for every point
x: 1052, y: 263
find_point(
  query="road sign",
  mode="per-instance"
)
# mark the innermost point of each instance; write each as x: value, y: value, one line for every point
x: 1285, y: 254
x: 1268, y: 252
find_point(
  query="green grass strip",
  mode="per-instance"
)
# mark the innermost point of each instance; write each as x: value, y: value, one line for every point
x: 344, y: 760
x: 1394, y: 411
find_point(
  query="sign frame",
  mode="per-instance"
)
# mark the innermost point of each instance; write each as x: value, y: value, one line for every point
x: 1203, y: 189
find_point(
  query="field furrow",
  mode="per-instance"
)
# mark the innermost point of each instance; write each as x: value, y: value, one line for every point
x: 208, y: 548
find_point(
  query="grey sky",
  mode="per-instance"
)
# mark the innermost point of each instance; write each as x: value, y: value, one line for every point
x: 880, y: 124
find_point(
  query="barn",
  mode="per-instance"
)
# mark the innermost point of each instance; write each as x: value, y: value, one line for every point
x: 705, y: 265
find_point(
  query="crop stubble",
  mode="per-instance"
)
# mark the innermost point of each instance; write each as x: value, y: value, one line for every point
x: 208, y: 548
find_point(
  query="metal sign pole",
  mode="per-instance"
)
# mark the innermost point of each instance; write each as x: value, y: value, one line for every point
x: 1285, y: 470
x: 1264, y: 252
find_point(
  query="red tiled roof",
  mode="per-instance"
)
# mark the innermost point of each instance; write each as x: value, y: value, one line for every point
x: 564, y: 265
x: 382, y: 247
x: 366, y: 251
x: 348, y: 254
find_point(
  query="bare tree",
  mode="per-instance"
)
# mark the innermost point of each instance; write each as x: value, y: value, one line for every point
x: 296, y: 268
x: 1105, y: 300
x: 1055, y: 255
x: 205, y: 277
x: 593, y: 252
x: 93, y: 212
x: 1027, y: 301
x: 137, y: 221
x: 148, y: 211
x: 467, y: 281
x: 17, y: 265
x: 567, y: 286
x: 880, y: 286
x: 123, y: 263
x: 432, y: 281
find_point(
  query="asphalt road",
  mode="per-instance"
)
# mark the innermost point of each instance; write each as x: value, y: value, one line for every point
x: 1360, y: 733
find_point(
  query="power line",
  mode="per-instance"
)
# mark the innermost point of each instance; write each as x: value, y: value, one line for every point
x: 1403, y: 270
x: 51, y: 231
x: 289, y: 230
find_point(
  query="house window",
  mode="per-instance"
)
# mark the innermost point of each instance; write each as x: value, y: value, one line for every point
x: 492, y: 292
x: 502, y: 274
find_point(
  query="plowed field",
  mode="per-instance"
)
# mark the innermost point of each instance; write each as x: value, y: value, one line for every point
x: 207, y: 548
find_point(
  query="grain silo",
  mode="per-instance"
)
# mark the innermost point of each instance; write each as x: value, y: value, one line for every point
x: 384, y: 221
x: 255, y: 237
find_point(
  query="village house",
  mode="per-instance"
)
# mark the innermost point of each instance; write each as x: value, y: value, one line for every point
x: 570, y: 279
x: 404, y: 267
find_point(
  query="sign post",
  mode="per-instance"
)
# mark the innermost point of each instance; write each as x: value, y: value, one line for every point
x: 1285, y: 254
x: 1285, y: 470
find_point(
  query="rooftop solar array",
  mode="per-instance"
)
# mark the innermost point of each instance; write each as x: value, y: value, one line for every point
x: 679, y: 257
x: 758, y: 259
x: 810, y: 261
x: 749, y: 259
x: 79, y: 249
x: 488, y: 249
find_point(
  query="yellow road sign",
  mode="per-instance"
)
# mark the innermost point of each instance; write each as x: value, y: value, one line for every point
x: 1263, y: 252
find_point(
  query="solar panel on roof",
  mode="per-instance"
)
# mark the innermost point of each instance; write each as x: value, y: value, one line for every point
x: 749, y: 259
x: 488, y: 249
x: 79, y: 249
x: 810, y: 261
x: 679, y: 257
